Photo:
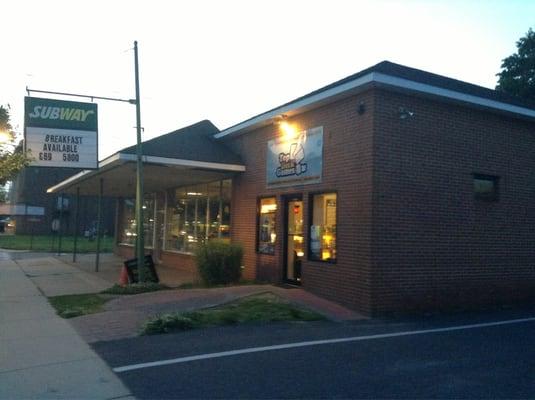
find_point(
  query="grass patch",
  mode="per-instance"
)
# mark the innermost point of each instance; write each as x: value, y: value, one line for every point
x: 74, y: 305
x: 258, y: 308
x: 202, y: 285
x: 135, y: 288
x: 49, y: 243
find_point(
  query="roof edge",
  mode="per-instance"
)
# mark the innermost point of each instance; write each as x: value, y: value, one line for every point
x: 331, y: 93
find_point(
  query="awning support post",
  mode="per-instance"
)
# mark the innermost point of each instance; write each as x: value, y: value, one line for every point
x: 60, y: 226
x: 220, y: 216
x: 99, y: 225
x: 76, y: 222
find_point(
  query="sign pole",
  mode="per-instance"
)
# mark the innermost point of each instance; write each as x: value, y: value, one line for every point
x: 140, y: 242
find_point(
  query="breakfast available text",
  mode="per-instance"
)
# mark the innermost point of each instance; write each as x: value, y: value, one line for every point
x: 66, y: 144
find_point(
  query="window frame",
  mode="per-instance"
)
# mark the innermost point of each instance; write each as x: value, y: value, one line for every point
x: 148, y: 244
x: 208, y: 215
x: 495, y: 195
x: 310, y: 223
x: 257, y: 238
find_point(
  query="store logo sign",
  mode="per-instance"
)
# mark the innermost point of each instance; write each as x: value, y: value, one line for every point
x: 297, y: 161
x: 292, y: 163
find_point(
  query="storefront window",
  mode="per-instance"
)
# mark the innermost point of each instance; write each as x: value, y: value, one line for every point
x: 128, y: 223
x: 197, y: 213
x: 323, y: 227
x: 266, y: 225
x: 148, y: 220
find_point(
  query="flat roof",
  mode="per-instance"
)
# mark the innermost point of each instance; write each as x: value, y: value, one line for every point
x: 388, y: 74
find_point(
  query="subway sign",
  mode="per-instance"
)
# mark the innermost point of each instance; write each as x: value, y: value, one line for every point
x: 61, y: 133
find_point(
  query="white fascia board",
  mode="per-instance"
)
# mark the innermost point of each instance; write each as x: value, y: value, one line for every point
x: 107, y: 163
x: 122, y: 158
x: 70, y: 180
x: 376, y: 77
x: 451, y: 94
x: 298, y: 104
x: 193, y: 163
x: 178, y: 162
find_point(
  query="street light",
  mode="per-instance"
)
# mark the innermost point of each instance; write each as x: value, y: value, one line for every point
x: 5, y: 137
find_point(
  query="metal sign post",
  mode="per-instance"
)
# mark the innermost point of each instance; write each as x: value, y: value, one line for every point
x: 140, y: 242
x: 78, y: 114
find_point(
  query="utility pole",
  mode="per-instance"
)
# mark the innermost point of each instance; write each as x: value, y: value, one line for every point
x: 140, y: 242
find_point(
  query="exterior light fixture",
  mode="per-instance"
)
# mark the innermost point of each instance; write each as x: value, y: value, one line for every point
x: 288, y: 130
x: 404, y: 113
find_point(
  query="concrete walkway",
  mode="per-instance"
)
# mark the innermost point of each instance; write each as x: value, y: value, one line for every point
x: 41, y: 355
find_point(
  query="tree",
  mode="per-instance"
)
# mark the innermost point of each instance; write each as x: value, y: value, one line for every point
x: 3, y: 194
x: 518, y: 70
x: 12, y: 156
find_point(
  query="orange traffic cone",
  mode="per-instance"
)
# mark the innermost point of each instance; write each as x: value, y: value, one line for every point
x: 123, y: 278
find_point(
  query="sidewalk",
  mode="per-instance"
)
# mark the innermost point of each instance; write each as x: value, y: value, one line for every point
x: 41, y: 355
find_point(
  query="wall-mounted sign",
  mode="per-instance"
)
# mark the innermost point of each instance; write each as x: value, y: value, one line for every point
x: 61, y: 133
x: 296, y: 161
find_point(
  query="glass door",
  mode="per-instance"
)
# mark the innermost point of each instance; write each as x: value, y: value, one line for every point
x: 294, y: 243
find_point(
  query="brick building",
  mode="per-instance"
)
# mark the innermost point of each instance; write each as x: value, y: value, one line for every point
x: 29, y: 191
x: 392, y: 190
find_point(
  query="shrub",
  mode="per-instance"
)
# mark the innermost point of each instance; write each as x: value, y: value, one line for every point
x: 167, y: 323
x: 219, y: 262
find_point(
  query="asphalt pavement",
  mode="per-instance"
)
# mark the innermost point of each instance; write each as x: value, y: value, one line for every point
x: 473, y: 355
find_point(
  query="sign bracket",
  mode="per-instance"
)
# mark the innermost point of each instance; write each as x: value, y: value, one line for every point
x: 131, y: 101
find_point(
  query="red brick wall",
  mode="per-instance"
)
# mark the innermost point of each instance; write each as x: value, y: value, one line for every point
x: 434, y: 245
x: 183, y: 262
x: 124, y: 251
x: 347, y: 169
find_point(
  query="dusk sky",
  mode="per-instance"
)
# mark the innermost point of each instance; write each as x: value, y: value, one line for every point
x: 229, y: 60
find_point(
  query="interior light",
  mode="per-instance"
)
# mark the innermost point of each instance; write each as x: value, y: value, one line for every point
x: 300, y: 254
x: 267, y: 208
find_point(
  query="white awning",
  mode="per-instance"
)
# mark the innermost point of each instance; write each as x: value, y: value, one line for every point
x: 118, y: 173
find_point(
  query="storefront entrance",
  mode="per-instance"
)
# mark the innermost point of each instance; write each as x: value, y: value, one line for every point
x: 294, y: 246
